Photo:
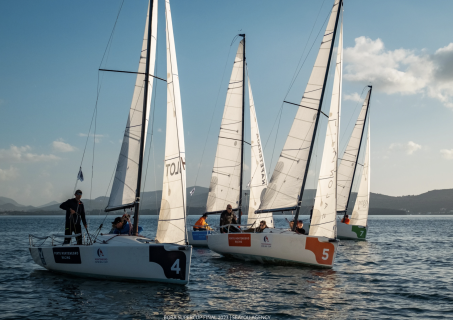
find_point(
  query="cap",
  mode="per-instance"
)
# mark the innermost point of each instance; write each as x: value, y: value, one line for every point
x: 78, y: 192
x: 117, y: 219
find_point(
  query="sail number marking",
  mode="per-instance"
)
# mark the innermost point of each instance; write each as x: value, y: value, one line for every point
x: 175, y: 267
x: 325, y: 254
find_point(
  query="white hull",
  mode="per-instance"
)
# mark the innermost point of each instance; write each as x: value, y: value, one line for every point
x: 198, y: 238
x: 121, y: 257
x: 350, y: 232
x: 284, y: 247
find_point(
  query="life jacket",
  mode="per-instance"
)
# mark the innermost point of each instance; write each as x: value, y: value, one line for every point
x: 200, y: 223
x: 345, y: 220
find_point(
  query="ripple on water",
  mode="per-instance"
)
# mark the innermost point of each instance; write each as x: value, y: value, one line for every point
x: 399, y: 272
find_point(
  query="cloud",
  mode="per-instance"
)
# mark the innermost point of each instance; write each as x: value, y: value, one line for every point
x: 409, y: 148
x: 353, y: 97
x: 22, y: 154
x: 447, y: 154
x: 8, y: 174
x: 60, y: 146
x: 98, y: 137
x: 401, y: 71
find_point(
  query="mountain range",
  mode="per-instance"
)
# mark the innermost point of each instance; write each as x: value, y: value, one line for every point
x: 431, y: 202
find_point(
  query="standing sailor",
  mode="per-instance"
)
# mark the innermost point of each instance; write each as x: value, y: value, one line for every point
x: 75, y: 212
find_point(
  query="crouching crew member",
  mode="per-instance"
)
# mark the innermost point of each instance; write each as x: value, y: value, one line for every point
x: 75, y: 212
x: 201, y: 224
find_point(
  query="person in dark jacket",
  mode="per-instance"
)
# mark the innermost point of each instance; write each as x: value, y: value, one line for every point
x: 300, y: 227
x: 75, y: 212
x: 228, y: 217
x: 258, y: 229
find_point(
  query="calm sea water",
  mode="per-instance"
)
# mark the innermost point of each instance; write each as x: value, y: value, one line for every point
x: 404, y: 270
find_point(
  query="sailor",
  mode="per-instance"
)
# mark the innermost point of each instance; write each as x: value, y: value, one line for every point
x: 122, y: 225
x: 75, y: 211
x: 227, y: 217
x: 345, y: 219
x: 258, y: 229
x: 201, y: 224
x: 300, y: 227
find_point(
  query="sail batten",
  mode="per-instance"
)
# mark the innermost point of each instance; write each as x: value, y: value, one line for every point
x: 124, y: 186
x: 225, y: 188
x: 258, y: 180
x: 285, y: 185
x: 323, y: 221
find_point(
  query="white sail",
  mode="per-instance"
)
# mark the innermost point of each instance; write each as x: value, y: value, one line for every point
x: 258, y: 181
x: 286, y: 181
x: 124, y: 186
x: 348, y: 162
x: 359, y: 215
x: 225, y: 180
x: 323, y: 222
x: 171, y: 224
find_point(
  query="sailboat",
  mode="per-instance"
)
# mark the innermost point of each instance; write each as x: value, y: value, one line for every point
x: 285, y: 189
x: 357, y: 227
x: 226, y: 180
x: 134, y: 257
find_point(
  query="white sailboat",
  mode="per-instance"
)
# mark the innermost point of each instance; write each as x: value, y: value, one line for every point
x: 357, y: 227
x: 167, y: 258
x: 226, y: 180
x: 285, y: 190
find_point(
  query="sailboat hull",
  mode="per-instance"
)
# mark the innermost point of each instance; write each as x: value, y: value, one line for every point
x: 351, y: 232
x: 198, y: 238
x: 276, y: 247
x: 120, y: 258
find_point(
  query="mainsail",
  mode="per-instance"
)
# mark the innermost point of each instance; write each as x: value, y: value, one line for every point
x: 124, y: 186
x: 258, y: 181
x: 225, y: 181
x: 360, y: 212
x: 288, y: 176
x: 348, y: 163
x: 323, y: 222
x: 171, y: 224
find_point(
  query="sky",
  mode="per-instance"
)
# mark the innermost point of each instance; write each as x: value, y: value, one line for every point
x: 51, y: 52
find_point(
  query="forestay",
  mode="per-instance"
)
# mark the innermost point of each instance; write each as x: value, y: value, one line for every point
x: 124, y: 186
x: 360, y: 213
x: 258, y: 181
x: 225, y: 180
x: 323, y: 222
x: 171, y: 224
x: 286, y: 181
x: 347, y: 165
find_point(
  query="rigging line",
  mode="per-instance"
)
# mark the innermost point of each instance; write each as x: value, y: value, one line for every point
x: 350, y: 119
x: 212, y: 118
x: 296, y: 72
x: 99, y: 84
x: 275, y: 140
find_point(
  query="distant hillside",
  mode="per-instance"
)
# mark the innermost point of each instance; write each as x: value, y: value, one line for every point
x: 432, y: 202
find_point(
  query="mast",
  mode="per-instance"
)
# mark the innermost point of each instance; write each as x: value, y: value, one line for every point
x: 299, y: 201
x: 358, y: 152
x: 143, y: 130
x: 242, y: 138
